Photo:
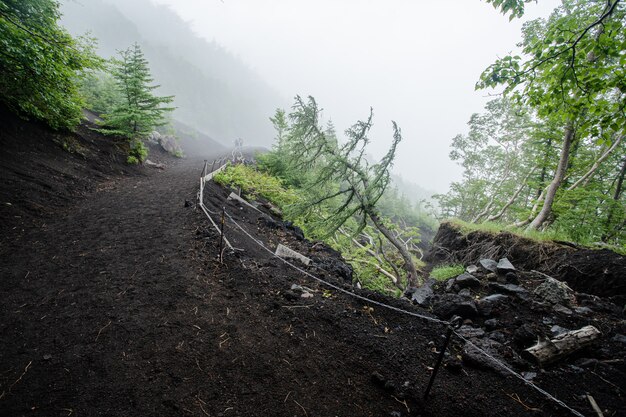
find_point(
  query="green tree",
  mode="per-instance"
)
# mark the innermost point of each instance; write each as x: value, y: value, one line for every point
x: 40, y: 62
x: 573, y: 72
x: 139, y: 112
x: 345, y: 181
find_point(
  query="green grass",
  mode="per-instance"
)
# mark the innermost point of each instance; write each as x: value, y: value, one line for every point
x: 444, y: 272
x: 549, y: 235
x: 491, y: 227
x: 255, y: 183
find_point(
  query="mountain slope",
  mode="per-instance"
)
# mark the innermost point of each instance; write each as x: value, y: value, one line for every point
x: 215, y: 92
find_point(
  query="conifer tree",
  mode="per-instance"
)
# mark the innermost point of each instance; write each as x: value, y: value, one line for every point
x: 139, y: 111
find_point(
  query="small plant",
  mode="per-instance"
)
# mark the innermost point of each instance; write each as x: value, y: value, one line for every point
x: 444, y: 272
x: 138, y: 152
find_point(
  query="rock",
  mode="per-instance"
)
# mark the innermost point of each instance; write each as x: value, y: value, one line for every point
x: 422, y: 295
x: 450, y: 284
x: 489, y: 265
x: 511, y: 289
x: 504, y: 266
x: 529, y: 376
x: 491, y: 277
x: 334, y: 266
x: 555, y: 292
x: 170, y: 145
x: 498, y: 337
x: 511, y: 278
x: 471, y: 332
x: 465, y: 292
x: 557, y: 330
x: 153, y: 164
x: 306, y: 294
x: 487, y: 304
x: 283, y: 251
x: 524, y: 336
x: 472, y: 356
x: 472, y: 269
x: 188, y: 203
x: 450, y: 305
x: 620, y: 338
x: 467, y: 281
x: 491, y: 324
x: 583, y: 310
x: 563, y: 310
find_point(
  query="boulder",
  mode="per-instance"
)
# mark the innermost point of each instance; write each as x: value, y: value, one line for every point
x: 422, y: 295
x: 486, y: 305
x: 555, y: 292
x: 449, y: 305
x: 511, y: 289
x: 472, y: 355
x: 170, y: 145
x: 467, y: 281
x: 489, y: 265
x: 504, y: 266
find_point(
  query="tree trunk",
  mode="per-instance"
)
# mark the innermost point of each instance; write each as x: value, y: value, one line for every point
x: 618, y: 192
x: 412, y: 279
x: 511, y: 200
x: 546, y: 351
x: 584, y: 180
x: 556, y: 181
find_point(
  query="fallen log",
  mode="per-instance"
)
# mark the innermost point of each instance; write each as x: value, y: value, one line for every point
x: 551, y: 350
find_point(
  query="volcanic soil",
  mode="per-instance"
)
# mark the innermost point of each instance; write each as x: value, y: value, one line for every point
x: 114, y: 303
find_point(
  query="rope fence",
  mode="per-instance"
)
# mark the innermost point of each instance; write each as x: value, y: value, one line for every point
x: 207, y: 175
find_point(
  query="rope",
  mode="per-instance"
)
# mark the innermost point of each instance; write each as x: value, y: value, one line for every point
x: 515, y: 374
x: 336, y: 287
x: 409, y: 313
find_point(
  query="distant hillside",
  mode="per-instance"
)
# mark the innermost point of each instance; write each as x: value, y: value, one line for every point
x: 215, y: 92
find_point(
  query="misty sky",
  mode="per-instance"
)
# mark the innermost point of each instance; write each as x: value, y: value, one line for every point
x: 413, y: 61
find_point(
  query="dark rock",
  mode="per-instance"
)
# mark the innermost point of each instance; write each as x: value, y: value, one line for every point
x: 583, y: 310
x: 422, y: 295
x: 509, y: 289
x: 467, y: 281
x: 563, y: 310
x: 472, y: 356
x: 450, y: 284
x: 298, y: 233
x: 471, y: 332
x: 489, y: 265
x: 619, y: 338
x: 449, y: 305
x: 491, y: 277
x: 555, y: 292
x: 188, y: 203
x: 491, y: 324
x: 504, y: 266
x: 524, y: 336
x: 465, y: 292
x: 498, y: 337
x: 487, y: 304
x: 334, y: 266
x: 511, y: 278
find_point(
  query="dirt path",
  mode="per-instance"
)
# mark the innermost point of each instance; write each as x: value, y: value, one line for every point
x: 119, y: 308
x: 89, y: 299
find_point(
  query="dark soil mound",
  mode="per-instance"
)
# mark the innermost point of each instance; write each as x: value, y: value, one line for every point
x: 599, y: 272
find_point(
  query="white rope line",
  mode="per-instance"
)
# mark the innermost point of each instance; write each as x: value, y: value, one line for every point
x: 512, y: 372
x: 336, y: 287
x: 410, y: 313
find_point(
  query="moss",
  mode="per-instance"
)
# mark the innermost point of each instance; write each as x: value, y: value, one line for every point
x: 444, y: 272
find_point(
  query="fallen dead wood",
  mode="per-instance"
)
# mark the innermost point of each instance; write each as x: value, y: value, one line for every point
x: 550, y: 350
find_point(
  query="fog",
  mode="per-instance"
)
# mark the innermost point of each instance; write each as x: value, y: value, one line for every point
x: 230, y: 63
x: 415, y: 62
